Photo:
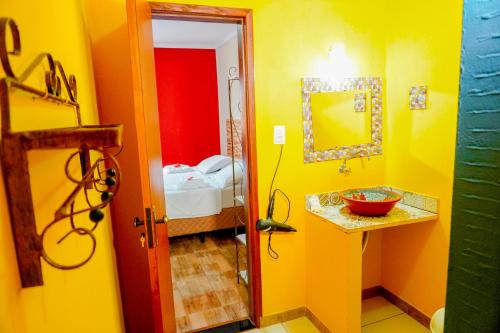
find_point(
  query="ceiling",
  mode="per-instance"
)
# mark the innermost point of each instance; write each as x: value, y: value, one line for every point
x: 189, y: 34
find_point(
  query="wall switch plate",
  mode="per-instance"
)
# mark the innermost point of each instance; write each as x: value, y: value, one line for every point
x: 279, y: 135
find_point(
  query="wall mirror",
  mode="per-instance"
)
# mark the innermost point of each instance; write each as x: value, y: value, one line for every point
x: 341, y: 119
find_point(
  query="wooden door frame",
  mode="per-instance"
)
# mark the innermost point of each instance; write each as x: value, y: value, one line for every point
x: 245, y: 19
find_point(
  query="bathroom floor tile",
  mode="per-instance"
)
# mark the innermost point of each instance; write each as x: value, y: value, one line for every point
x: 396, y: 324
x: 376, y: 309
x: 300, y: 325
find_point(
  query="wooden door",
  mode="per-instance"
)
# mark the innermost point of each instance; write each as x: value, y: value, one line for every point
x: 123, y: 60
x: 144, y: 271
x: 150, y: 162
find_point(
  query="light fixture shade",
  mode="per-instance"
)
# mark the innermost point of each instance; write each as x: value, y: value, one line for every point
x: 340, y: 66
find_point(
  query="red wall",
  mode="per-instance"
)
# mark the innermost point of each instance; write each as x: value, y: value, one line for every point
x: 188, y: 104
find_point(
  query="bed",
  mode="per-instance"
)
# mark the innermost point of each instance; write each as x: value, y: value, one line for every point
x: 200, y: 199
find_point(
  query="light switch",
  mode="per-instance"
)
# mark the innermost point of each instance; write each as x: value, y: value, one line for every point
x: 279, y: 135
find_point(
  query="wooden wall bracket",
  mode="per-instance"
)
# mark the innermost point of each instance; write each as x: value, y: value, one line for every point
x: 61, y: 90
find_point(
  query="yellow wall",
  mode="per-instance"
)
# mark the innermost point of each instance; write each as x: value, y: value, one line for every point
x: 423, y: 48
x: 86, y: 299
x: 299, y: 38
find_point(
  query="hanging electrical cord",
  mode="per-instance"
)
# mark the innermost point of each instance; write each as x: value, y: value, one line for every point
x: 287, y: 199
x: 275, y: 172
x: 272, y: 253
x: 269, y: 224
x: 366, y: 237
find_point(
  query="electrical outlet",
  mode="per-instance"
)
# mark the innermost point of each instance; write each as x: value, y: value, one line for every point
x: 279, y: 135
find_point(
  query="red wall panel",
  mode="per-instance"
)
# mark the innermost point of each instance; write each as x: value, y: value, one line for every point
x: 188, y: 104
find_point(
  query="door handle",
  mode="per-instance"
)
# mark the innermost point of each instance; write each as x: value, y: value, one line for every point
x: 149, y: 227
x: 162, y: 220
x: 138, y: 222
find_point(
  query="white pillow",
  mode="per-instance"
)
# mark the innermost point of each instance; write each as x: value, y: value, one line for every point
x: 213, y: 163
x: 224, y: 177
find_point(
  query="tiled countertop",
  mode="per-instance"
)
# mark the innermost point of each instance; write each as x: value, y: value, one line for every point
x: 412, y: 208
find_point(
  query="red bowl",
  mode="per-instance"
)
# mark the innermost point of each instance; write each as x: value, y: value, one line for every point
x: 370, y: 202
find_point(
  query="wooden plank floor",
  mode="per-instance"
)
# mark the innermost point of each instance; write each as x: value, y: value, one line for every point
x: 206, y: 292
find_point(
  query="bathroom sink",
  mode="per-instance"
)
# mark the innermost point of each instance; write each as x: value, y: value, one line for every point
x: 412, y: 208
x: 370, y: 202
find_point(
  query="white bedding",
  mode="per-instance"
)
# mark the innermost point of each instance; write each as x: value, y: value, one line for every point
x: 185, y: 181
x: 193, y: 194
x: 227, y: 196
x: 193, y: 203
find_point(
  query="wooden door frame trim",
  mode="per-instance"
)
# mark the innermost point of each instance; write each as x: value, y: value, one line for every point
x: 245, y: 18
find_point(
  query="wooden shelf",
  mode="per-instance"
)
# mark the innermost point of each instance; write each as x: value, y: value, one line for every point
x: 73, y: 137
x: 15, y: 147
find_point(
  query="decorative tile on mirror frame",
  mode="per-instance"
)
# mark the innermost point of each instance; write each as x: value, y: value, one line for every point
x: 360, y: 102
x: 418, y: 98
x: 316, y: 85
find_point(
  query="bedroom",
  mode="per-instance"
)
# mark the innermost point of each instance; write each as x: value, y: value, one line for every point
x: 200, y: 116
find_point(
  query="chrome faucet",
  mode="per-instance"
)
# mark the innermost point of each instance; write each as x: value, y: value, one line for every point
x: 344, y: 169
x: 358, y: 153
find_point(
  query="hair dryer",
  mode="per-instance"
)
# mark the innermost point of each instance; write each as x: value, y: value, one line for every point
x: 269, y: 224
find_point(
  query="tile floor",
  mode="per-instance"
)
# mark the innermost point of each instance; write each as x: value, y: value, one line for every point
x: 206, y: 292
x: 204, y: 279
x: 378, y: 316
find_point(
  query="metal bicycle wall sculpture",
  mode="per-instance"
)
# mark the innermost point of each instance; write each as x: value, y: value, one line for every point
x: 101, y: 176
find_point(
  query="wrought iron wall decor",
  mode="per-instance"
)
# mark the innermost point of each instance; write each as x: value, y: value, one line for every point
x: 101, y: 175
x: 316, y: 85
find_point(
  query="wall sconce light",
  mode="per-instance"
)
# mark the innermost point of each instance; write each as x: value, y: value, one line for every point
x: 338, y: 66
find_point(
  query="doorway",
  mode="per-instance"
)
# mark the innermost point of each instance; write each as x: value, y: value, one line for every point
x: 143, y: 247
x: 200, y: 124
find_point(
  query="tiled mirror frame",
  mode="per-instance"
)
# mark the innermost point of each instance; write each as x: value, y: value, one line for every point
x: 316, y: 85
